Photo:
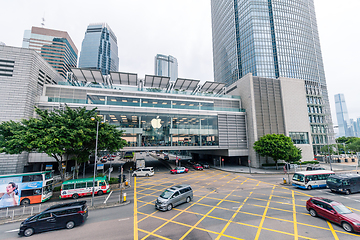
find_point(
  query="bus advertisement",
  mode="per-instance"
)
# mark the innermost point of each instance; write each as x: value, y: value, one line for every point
x: 25, y: 188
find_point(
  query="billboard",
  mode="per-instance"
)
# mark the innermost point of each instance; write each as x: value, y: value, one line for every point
x: 10, y: 190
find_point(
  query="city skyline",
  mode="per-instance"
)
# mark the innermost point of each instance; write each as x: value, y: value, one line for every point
x: 187, y: 35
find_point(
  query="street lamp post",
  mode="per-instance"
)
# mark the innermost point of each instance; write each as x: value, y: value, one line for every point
x: 95, y: 161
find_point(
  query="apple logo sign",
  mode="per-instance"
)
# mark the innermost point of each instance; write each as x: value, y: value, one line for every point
x: 155, y: 122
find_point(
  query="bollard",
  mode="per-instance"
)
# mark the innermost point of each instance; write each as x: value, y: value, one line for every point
x: 284, y: 180
x: 124, y: 197
x: 13, y: 215
x: 7, y: 212
x: 126, y: 183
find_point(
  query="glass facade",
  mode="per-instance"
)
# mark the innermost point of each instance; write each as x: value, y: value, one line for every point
x: 56, y: 47
x: 270, y: 39
x: 299, y: 137
x: 166, y: 66
x: 99, y: 49
x: 161, y: 129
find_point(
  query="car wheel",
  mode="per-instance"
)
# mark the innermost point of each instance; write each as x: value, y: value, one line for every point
x: 147, y: 175
x: 188, y: 199
x: 25, y: 201
x: 347, y: 192
x: 134, y: 175
x: 100, y: 193
x: 169, y: 207
x: 70, y: 225
x: 332, y: 190
x: 28, y: 232
x: 75, y: 196
x: 309, y: 187
x: 347, y: 227
x: 312, y: 212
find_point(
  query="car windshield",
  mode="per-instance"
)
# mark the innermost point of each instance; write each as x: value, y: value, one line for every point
x: 166, y: 194
x: 341, y: 209
x: 298, y: 177
x: 334, y: 180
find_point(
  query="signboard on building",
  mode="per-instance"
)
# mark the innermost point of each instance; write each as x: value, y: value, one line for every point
x: 100, y: 166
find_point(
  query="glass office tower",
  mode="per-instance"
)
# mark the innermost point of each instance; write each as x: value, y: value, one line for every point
x: 56, y: 47
x: 166, y: 66
x: 342, y: 115
x: 99, y: 49
x: 272, y: 39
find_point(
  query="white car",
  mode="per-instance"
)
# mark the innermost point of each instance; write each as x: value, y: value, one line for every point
x: 143, y: 172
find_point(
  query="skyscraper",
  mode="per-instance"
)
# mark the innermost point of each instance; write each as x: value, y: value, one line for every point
x: 273, y: 39
x: 166, y: 66
x: 55, y: 46
x: 99, y: 49
x: 342, y: 115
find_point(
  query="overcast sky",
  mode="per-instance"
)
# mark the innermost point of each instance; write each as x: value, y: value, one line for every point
x: 182, y: 28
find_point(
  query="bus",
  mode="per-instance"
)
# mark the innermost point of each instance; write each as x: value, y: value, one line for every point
x: 311, y: 179
x: 82, y: 187
x: 25, y: 188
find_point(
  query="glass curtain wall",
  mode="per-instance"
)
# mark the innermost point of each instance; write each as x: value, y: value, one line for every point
x: 150, y: 129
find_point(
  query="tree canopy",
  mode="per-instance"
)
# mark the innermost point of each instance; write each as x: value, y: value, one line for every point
x: 277, y: 146
x: 60, y: 133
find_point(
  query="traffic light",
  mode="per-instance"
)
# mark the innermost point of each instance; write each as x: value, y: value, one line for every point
x: 124, y: 178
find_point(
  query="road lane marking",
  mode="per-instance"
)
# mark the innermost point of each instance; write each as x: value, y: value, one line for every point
x: 294, y: 217
x: 332, y: 231
x: 15, y: 230
x: 264, y: 215
x: 135, y: 213
x: 108, y: 196
x: 123, y: 219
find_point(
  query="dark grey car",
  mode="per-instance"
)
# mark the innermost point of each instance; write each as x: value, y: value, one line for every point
x: 174, y: 196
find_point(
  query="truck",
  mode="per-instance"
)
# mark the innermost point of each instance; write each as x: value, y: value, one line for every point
x: 140, y: 164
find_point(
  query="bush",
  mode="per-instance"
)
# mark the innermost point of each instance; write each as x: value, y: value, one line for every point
x: 57, y: 189
x: 307, y: 162
x: 272, y: 164
x: 114, y: 181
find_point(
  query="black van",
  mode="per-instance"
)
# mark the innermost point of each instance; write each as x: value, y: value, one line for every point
x: 346, y: 183
x: 65, y: 215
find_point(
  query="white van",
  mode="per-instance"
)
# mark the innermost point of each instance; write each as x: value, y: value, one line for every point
x: 143, y: 172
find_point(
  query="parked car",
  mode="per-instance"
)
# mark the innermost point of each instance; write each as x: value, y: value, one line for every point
x: 198, y: 167
x: 174, y: 196
x: 205, y: 165
x: 335, y: 212
x: 67, y: 215
x: 144, y: 172
x: 166, y: 157
x: 311, y: 168
x: 103, y: 160
x: 344, y: 183
x: 179, y: 170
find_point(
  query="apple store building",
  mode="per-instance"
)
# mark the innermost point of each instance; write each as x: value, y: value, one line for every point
x: 158, y: 114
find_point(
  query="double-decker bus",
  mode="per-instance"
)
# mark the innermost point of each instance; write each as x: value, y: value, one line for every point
x: 81, y: 187
x: 311, y: 179
x: 25, y: 188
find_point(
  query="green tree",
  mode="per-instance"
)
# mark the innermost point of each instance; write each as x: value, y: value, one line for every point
x: 276, y: 146
x: 60, y: 134
x: 355, y: 145
x: 294, y: 154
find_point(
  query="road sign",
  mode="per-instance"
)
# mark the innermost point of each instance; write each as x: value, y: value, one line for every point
x: 48, y: 167
x: 100, y: 166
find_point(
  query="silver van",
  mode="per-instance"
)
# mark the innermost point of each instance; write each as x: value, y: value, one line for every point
x: 174, y: 196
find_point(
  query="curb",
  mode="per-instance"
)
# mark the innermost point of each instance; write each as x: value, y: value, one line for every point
x: 227, y: 170
x: 111, y: 205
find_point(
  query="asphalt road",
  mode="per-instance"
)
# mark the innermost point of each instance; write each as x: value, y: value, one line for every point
x: 110, y: 223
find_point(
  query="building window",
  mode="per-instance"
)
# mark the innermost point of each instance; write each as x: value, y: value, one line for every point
x: 299, y: 137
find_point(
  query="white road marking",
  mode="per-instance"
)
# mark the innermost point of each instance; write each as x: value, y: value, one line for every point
x: 123, y: 219
x: 108, y: 196
x: 15, y: 230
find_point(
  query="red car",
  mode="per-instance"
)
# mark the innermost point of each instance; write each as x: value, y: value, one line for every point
x: 179, y: 170
x: 335, y: 212
x: 198, y: 167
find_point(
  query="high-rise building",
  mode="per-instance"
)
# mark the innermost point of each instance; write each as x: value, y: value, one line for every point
x: 342, y: 115
x: 99, y: 49
x: 166, y: 66
x: 56, y: 47
x: 273, y: 39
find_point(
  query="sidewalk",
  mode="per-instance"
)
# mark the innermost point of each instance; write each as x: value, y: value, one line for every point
x: 336, y: 167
